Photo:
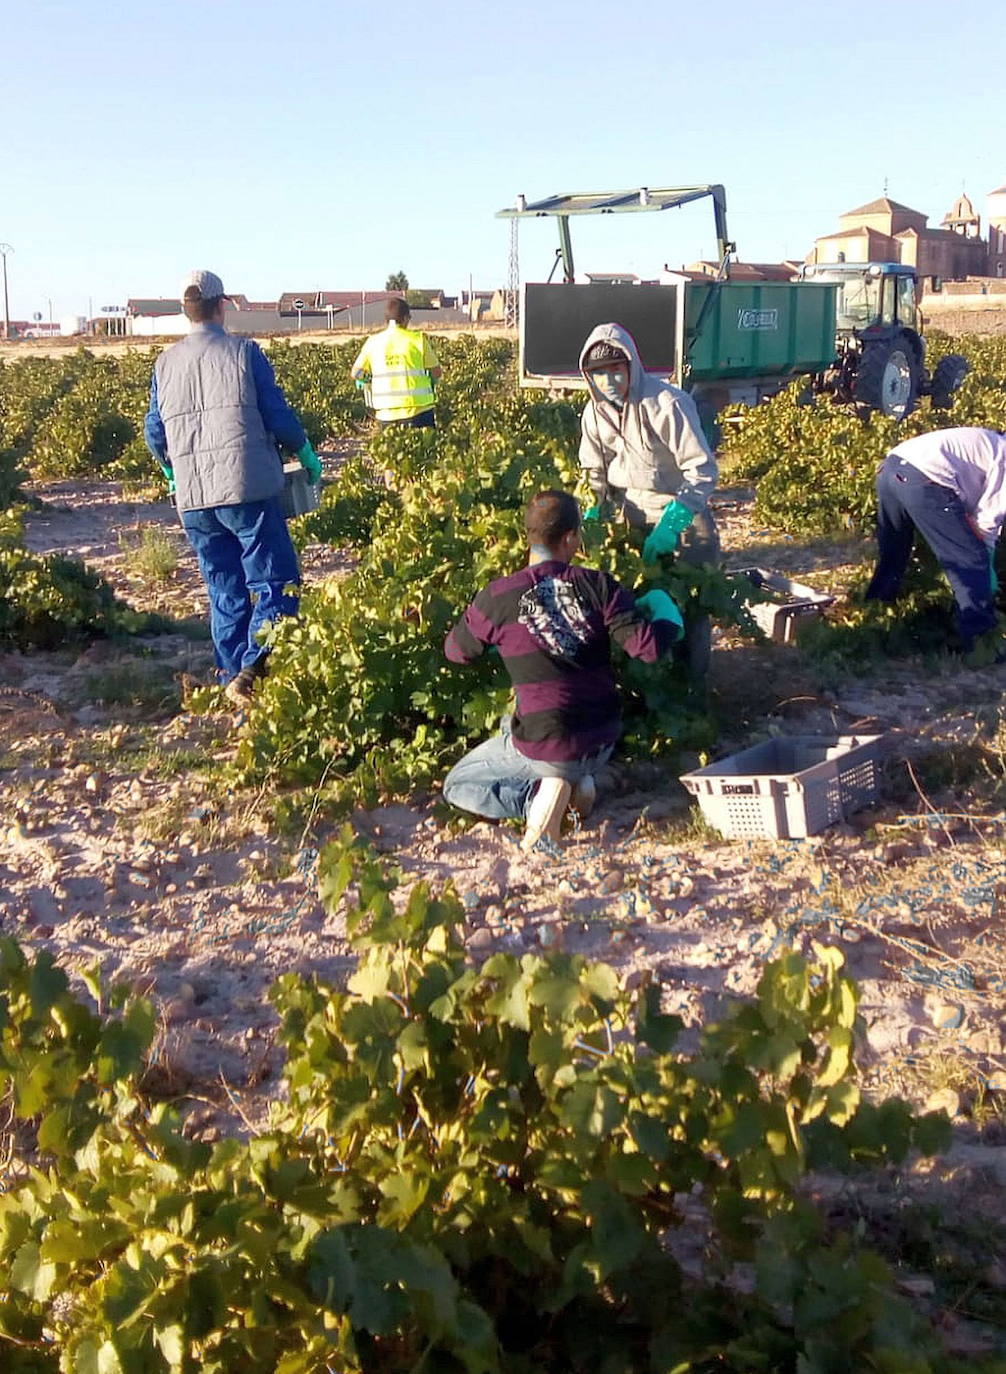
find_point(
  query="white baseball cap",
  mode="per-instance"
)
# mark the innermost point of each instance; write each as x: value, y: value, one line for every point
x: 208, y: 284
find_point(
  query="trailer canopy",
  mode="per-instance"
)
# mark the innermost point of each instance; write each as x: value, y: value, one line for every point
x: 619, y: 202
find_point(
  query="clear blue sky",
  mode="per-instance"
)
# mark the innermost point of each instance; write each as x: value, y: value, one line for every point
x: 308, y: 144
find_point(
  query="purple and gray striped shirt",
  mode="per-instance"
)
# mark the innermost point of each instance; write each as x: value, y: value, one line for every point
x: 553, y: 623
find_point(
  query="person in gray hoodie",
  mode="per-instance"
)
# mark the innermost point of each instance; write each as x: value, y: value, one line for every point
x: 642, y: 446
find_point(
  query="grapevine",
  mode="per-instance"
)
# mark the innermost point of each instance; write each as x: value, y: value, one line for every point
x: 473, y: 1167
x: 813, y: 464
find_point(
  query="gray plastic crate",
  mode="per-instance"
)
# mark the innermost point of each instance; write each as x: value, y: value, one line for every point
x: 788, y: 787
x: 299, y: 495
x: 792, y: 604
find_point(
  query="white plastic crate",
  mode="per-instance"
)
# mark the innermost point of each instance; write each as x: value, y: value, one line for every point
x: 299, y: 495
x: 788, y: 787
x: 793, y: 604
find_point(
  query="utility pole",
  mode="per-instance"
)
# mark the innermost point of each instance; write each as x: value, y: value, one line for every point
x: 5, y: 248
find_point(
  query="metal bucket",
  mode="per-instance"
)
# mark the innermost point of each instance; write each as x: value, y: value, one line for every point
x: 300, y: 494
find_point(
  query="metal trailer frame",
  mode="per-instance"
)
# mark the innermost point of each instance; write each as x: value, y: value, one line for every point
x: 645, y: 198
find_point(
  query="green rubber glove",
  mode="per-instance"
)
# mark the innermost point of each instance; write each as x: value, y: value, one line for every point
x: 661, y: 606
x: 592, y: 516
x: 169, y: 475
x: 664, y: 538
x: 310, y: 462
x: 360, y: 382
x: 993, y: 575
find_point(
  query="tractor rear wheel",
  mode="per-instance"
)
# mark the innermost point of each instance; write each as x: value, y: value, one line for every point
x: 948, y: 374
x: 887, y: 378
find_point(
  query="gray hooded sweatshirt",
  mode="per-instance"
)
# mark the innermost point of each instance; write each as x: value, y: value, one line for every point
x: 653, y: 449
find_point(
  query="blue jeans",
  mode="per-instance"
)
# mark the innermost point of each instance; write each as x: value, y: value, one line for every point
x: 908, y: 501
x: 497, y: 781
x: 247, y: 560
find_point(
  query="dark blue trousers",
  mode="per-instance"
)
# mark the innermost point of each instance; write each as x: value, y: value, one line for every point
x: 426, y: 419
x: 908, y: 501
x: 247, y: 560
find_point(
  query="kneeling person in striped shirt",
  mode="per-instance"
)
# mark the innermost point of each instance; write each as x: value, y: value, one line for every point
x: 552, y: 624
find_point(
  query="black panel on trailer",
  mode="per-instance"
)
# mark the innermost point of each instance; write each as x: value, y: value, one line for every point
x: 557, y: 318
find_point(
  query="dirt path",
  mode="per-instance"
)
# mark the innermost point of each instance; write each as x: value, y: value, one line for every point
x: 111, y: 531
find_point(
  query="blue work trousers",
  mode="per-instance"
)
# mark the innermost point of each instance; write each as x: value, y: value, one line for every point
x: 497, y: 781
x: 907, y: 501
x: 426, y: 419
x: 247, y: 561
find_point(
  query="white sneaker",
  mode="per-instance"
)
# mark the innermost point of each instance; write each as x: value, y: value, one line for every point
x: 544, y: 815
x: 584, y: 796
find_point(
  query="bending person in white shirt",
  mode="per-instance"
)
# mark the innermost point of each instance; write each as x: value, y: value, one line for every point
x: 950, y: 485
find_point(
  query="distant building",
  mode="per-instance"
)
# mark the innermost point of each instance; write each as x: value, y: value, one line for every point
x: 486, y: 307
x: 885, y: 231
x: 997, y: 233
x: 110, y: 323
x: 332, y: 309
x: 356, y: 311
x: 744, y: 271
x: 428, y: 298
x: 607, y: 278
x: 149, y: 317
x: 152, y: 306
x: 35, y: 329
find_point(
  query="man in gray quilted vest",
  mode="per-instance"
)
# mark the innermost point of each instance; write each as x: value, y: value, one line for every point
x: 215, y: 420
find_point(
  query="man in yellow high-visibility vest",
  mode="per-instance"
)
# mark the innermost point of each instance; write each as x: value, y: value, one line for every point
x: 401, y: 366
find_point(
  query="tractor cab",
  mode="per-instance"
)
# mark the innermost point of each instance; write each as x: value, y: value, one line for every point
x: 873, y: 297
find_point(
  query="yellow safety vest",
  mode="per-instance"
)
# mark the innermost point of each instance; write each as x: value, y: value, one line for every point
x: 400, y: 382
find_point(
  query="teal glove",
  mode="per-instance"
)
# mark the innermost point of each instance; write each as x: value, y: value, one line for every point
x: 169, y: 474
x: 664, y: 538
x: 310, y: 462
x: 993, y: 575
x: 592, y: 516
x: 361, y: 383
x: 661, y: 607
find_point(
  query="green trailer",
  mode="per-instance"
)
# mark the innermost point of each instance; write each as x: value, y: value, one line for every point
x: 725, y: 341
x: 744, y: 341
x: 741, y: 330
